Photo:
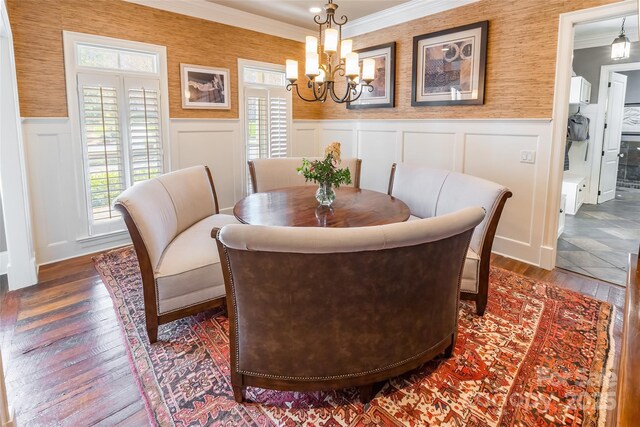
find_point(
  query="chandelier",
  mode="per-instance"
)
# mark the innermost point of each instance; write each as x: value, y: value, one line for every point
x: 621, y: 46
x: 329, y: 58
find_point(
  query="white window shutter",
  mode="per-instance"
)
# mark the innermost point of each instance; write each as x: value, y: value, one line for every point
x: 146, y: 158
x: 278, y: 127
x: 102, y: 143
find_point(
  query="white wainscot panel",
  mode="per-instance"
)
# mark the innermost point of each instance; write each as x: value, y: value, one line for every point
x: 344, y: 136
x: 216, y: 144
x: 377, y: 149
x: 56, y: 193
x: 497, y: 158
x: 304, y: 139
x: 434, y: 150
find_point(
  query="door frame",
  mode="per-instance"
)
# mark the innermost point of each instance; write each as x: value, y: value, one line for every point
x: 21, y: 270
x: 598, y: 140
x: 560, y: 114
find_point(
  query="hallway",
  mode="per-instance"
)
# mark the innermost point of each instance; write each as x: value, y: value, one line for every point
x: 597, y: 241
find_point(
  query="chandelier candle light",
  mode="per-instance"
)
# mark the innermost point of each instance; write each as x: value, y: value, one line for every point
x: 325, y: 62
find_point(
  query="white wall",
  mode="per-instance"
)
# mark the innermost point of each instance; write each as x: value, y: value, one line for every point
x: 486, y: 148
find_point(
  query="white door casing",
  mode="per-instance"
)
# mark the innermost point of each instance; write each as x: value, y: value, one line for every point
x: 612, y: 136
x: 21, y: 270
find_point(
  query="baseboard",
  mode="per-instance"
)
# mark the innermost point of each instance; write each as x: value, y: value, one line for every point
x: 12, y: 416
x: 4, y: 262
x: 547, y: 258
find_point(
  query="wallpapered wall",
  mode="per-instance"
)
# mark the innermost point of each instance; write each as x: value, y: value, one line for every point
x: 521, y: 59
x: 37, y: 27
x: 520, y: 64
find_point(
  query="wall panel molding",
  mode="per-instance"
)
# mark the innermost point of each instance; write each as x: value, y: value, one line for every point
x: 489, y: 149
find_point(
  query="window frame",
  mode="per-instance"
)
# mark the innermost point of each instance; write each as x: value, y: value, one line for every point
x: 242, y: 86
x: 71, y: 40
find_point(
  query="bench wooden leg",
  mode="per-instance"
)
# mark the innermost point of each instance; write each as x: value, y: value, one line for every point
x: 368, y: 392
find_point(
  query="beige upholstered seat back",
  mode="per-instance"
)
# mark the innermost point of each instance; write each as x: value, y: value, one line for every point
x: 163, y: 207
x: 430, y: 192
x: 320, y: 240
x: 419, y: 188
x: 460, y: 190
x: 274, y: 173
x: 191, y: 194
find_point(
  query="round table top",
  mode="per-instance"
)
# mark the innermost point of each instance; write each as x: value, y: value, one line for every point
x: 298, y: 207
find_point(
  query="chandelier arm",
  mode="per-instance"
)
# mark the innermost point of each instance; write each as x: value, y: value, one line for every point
x: 322, y: 93
x: 341, y: 100
x: 290, y: 85
x: 343, y: 18
x: 370, y: 87
x: 318, y: 21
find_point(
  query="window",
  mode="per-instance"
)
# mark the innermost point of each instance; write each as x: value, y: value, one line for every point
x: 121, y: 126
x: 267, y: 114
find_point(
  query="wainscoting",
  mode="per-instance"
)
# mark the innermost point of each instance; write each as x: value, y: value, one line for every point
x: 56, y: 182
x: 486, y: 148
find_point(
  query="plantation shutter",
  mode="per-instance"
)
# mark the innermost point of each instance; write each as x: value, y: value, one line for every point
x: 278, y: 125
x: 145, y: 137
x: 102, y: 142
x: 257, y: 124
x: 267, y: 121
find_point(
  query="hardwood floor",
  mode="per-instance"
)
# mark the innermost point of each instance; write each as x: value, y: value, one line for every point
x: 65, y: 359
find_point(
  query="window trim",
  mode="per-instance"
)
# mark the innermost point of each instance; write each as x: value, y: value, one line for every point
x: 70, y: 41
x: 242, y: 63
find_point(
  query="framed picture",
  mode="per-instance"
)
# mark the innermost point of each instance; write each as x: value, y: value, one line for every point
x: 631, y: 118
x: 204, y: 87
x: 384, y: 84
x: 449, y: 66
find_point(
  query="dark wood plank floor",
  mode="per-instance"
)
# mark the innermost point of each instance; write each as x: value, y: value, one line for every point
x: 64, y: 354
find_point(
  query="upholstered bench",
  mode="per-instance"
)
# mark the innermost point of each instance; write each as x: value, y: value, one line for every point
x: 170, y: 219
x: 270, y: 174
x: 432, y: 192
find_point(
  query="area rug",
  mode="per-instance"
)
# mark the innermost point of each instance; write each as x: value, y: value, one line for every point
x: 540, y: 356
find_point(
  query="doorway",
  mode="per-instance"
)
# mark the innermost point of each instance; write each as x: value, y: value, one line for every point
x: 600, y: 202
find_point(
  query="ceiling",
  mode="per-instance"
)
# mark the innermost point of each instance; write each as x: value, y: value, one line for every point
x: 296, y: 12
x: 602, y: 33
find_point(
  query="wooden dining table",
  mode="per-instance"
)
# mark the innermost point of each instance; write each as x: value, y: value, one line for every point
x: 298, y: 207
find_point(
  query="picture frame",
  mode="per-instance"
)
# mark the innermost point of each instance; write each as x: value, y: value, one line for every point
x: 631, y: 118
x: 204, y: 87
x: 449, y: 66
x: 383, y: 94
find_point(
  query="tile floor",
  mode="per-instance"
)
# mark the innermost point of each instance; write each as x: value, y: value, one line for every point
x: 598, y: 239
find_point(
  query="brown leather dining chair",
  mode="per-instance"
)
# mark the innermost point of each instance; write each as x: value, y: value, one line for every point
x: 313, y: 308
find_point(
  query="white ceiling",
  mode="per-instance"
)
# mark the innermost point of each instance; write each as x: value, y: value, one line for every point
x: 602, y: 33
x: 296, y: 12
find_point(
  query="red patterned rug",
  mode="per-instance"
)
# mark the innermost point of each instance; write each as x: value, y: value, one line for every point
x: 540, y: 356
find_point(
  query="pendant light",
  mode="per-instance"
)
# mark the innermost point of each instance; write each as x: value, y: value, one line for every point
x: 621, y: 46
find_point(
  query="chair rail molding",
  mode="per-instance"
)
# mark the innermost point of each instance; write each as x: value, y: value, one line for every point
x: 21, y: 268
x: 474, y: 147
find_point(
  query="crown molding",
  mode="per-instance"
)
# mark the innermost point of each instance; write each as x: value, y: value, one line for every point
x: 402, y: 13
x: 226, y: 15
x: 602, y: 40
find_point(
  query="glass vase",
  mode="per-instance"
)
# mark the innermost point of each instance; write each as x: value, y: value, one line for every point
x: 325, y: 195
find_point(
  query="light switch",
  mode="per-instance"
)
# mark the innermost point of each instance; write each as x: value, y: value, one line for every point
x: 527, y: 156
